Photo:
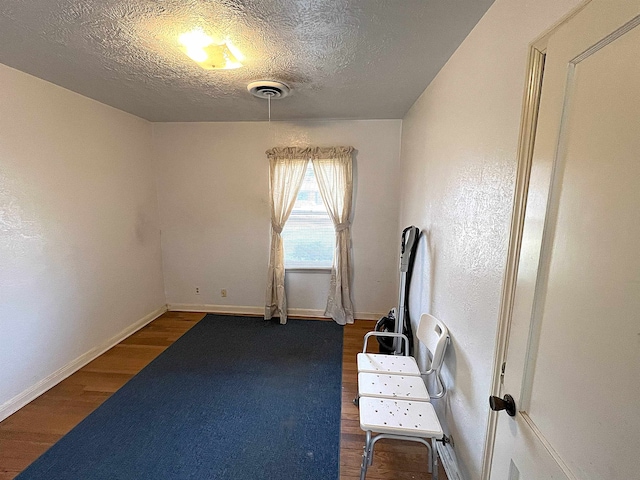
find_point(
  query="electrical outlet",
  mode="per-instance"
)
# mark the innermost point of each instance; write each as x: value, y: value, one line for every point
x: 197, y: 290
x: 223, y: 292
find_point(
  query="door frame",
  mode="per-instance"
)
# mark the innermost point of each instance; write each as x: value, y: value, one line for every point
x: 526, y: 142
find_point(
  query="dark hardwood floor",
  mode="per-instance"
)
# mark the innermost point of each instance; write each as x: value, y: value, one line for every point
x: 26, y: 434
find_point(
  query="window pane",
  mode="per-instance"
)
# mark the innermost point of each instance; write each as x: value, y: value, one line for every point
x: 308, y: 235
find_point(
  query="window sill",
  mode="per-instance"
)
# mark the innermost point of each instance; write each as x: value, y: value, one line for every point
x: 308, y: 269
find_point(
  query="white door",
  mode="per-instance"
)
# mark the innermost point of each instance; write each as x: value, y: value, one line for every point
x: 573, y: 355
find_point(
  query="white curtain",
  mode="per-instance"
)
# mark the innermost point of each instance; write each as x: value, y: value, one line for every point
x: 286, y: 173
x: 334, y: 172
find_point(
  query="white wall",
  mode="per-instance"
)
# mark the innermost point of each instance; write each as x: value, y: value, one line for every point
x: 458, y: 159
x: 79, y: 236
x: 214, y: 202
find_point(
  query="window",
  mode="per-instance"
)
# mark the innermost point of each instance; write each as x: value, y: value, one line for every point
x: 309, y: 237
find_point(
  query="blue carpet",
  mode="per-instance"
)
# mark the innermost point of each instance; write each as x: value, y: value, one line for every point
x: 234, y: 398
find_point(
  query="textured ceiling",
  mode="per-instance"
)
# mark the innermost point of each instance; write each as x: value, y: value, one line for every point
x: 343, y: 59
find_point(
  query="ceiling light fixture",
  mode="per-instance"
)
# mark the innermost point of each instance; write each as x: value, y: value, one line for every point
x: 209, y: 54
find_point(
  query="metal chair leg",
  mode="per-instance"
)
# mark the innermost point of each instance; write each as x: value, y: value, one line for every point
x: 434, y: 459
x: 363, y: 464
x: 366, y: 456
x: 371, y: 447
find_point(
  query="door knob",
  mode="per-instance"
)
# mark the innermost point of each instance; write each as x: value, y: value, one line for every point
x: 507, y: 403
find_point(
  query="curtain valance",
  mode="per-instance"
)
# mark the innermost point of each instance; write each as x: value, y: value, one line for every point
x: 306, y: 153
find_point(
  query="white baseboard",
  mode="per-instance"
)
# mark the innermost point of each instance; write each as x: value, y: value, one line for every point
x: 245, y: 310
x: 208, y: 308
x: 449, y: 462
x: 31, y: 393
